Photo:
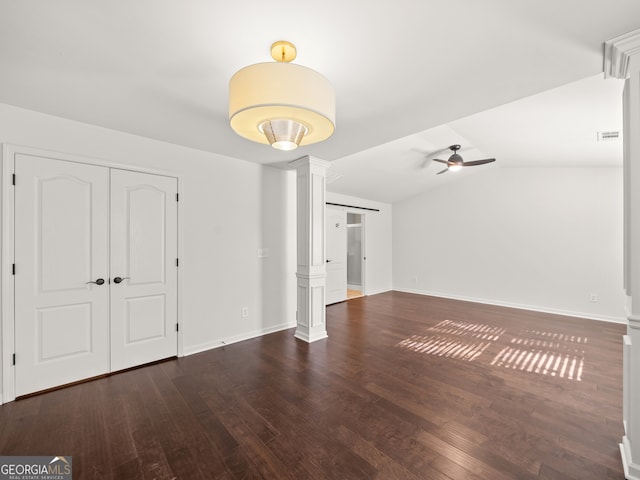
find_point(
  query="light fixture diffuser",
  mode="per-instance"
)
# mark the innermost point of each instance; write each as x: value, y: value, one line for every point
x: 283, y: 134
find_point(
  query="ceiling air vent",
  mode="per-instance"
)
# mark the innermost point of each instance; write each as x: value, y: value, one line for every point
x: 608, y: 136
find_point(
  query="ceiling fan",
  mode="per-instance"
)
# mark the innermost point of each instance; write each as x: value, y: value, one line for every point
x: 455, y: 162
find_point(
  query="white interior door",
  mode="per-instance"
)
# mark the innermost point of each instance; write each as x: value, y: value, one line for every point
x: 143, y: 254
x: 336, y: 255
x: 61, y: 244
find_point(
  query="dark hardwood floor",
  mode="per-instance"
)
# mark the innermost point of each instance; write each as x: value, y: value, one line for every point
x: 406, y: 387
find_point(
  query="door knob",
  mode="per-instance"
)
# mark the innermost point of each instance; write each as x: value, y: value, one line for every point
x: 328, y: 261
x: 99, y: 281
x: 119, y: 279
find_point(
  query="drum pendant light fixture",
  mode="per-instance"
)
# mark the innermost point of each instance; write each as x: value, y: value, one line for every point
x: 280, y: 103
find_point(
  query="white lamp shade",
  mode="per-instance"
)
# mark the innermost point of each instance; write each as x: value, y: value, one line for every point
x: 281, y: 91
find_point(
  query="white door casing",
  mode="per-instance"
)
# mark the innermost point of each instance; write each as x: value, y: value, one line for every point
x: 61, y: 244
x: 336, y: 255
x: 144, y: 254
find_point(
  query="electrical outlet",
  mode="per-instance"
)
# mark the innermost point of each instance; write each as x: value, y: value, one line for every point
x: 244, y: 312
x: 593, y: 297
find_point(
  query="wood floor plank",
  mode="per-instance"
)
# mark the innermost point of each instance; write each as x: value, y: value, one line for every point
x: 386, y: 466
x: 95, y: 461
x: 406, y: 387
x: 264, y: 460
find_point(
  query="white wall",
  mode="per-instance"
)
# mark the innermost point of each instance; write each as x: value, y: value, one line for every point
x: 542, y: 239
x: 378, y: 240
x: 278, y: 220
x: 229, y: 208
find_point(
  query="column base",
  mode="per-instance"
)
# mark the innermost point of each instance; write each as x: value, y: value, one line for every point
x: 311, y: 314
x: 303, y: 333
x: 631, y: 470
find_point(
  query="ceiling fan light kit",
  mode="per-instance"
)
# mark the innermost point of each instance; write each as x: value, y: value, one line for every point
x: 455, y: 161
x: 281, y: 104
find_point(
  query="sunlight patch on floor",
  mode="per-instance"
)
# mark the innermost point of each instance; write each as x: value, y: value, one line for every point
x: 454, y: 339
x: 544, y: 353
x: 532, y: 351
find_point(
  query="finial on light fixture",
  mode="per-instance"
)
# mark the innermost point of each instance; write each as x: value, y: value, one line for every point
x: 282, y: 104
x: 283, y: 51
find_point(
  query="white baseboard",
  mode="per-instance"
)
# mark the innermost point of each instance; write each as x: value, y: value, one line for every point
x: 203, y: 347
x: 534, y: 308
x: 376, y: 292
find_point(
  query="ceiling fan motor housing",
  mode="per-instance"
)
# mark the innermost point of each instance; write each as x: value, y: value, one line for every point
x: 455, y: 158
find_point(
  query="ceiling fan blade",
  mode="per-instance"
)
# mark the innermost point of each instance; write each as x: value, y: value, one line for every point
x: 434, y: 153
x: 443, y: 171
x: 478, y: 162
x: 441, y: 161
x: 428, y: 156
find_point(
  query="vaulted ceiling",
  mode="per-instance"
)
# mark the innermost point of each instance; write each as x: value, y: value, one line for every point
x: 160, y: 68
x: 558, y: 128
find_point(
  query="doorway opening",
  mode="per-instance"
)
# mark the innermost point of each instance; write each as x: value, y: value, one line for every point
x: 355, y: 255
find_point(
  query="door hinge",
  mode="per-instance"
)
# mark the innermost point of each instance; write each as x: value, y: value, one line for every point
x: 14, y: 359
x: 177, y: 197
x: 177, y: 262
x: 13, y: 179
x: 177, y: 327
x: 13, y: 269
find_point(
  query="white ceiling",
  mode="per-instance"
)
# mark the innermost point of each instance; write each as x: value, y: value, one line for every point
x: 160, y: 68
x: 555, y: 128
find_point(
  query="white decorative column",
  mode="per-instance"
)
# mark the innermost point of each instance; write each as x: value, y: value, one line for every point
x: 622, y: 60
x: 311, y: 272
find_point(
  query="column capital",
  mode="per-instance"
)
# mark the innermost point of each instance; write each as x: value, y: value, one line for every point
x: 308, y: 160
x: 622, y: 55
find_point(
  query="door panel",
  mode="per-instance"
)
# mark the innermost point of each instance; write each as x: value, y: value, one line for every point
x: 336, y: 255
x: 146, y: 319
x: 144, y: 249
x: 64, y: 232
x: 61, y: 243
x: 74, y: 321
x: 145, y: 240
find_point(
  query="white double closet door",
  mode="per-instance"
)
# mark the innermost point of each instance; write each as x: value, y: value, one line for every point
x: 96, y: 276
